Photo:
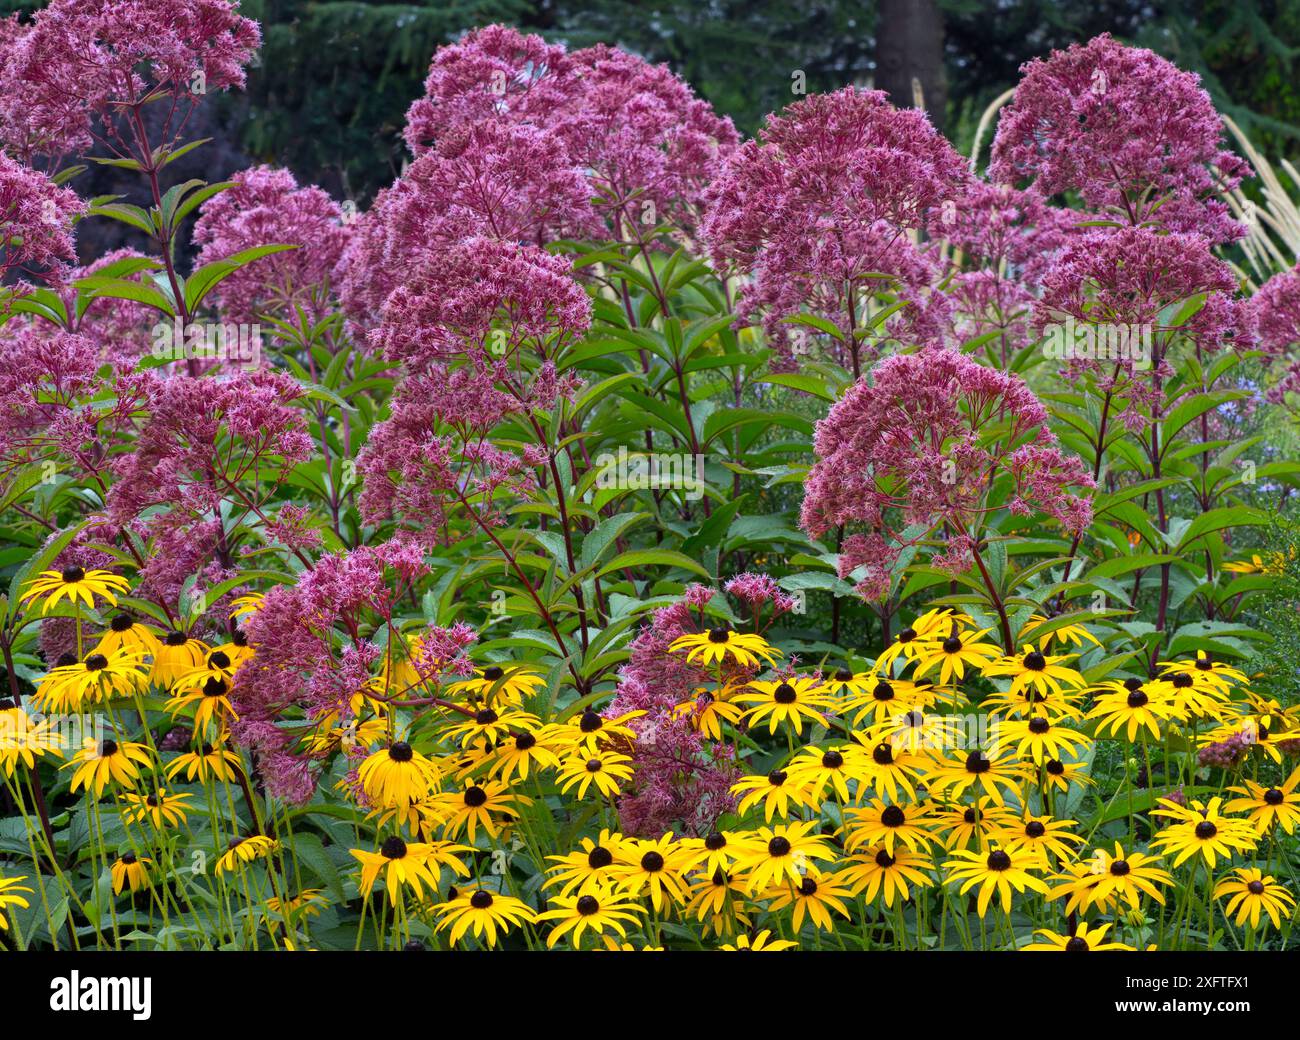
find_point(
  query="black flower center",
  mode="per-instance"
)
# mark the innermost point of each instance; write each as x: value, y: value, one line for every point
x: 480, y: 900
x: 214, y: 687
x: 1205, y: 664
x: 720, y: 634
x: 843, y: 675
x: 807, y: 887
x: 393, y: 848
x: 590, y: 722
x: 1120, y: 867
x: 776, y: 777
x: 240, y: 638
x: 883, y: 755
x: 1182, y: 680
x: 1205, y: 830
x: 493, y: 672
x: 951, y: 645
x: 715, y: 841
x: 121, y: 623
x: 524, y: 741
x: 1035, y: 829
x: 485, y: 717
x: 95, y: 662
x: 1056, y: 767
x: 970, y: 816
x: 176, y: 639
x: 401, y: 752
x: 1132, y: 684
x: 72, y: 575
x: 1137, y: 699
x: 832, y: 760
x: 1076, y: 945
x: 108, y: 747
x: 128, y: 858
x: 475, y: 796
x: 884, y: 859
x: 1039, y: 725
x: 587, y: 905
x: 784, y: 694
x: 1274, y: 797
x: 883, y: 691
x: 1035, y: 661
x: 893, y: 816
x: 778, y: 846
x: 599, y: 858
x: 594, y: 765
x: 218, y: 659
x: 998, y: 860
x: 652, y: 861
x: 1256, y: 887
x: 977, y: 762
x: 907, y: 635
x: 152, y: 801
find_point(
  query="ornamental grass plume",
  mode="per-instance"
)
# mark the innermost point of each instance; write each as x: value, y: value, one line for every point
x: 920, y: 445
x: 817, y: 208
x: 1134, y: 135
x: 265, y: 206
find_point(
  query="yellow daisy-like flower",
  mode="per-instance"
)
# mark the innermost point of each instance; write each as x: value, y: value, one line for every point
x: 654, y: 866
x: 878, y: 871
x: 99, y: 764
x: 818, y: 769
x: 1037, y: 834
x: 77, y: 585
x: 1081, y: 941
x: 992, y: 773
x: 95, y: 680
x: 955, y: 654
x: 886, y: 698
x: 596, y: 910
x: 1200, y: 829
x: 1074, y: 634
x: 159, y: 807
x: 126, y: 633
x: 206, y: 762
x: 1205, y: 671
x: 483, y: 914
x: 717, y: 851
x: 178, y: 654
x: 1131, y: 706
x: 713, y: 646
x: 845, y: 682
x: 486, y: 727
x: 1250, y: 892
x: 207, y: 691
x: 23, y: 741
x: 1031, y: 669
x: 891, y: 770
x: 1059, y: 775
x: 590, y: 731
x: 760, y: 943
x: 777, y: 791
x: 780, y: 853
x: 792, y: 700
x: 604, y: 770
x: 521, y: 754
x: 1268, y: 807
x: 592, y: 867
x: 719, y: 901
x: 128, y: 870
x: 308, y: 903
x: 915, y: 640
x: 706, y: 711
x: 1039, y: 739
x: 497, y: 685
x: 813, y: 897
x: 246, y: 850
x: 246, y: 606
x: 396, y: 776
x: 9, y: 889
x: 472, y: 808
x: 964, y: 825
x: 237, y: 650
x: 994, y: 872
x: 403, y: 865
x: 1106, y: 878
x: 887, y: 825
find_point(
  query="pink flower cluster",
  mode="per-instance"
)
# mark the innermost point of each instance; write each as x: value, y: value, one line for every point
x: 1135, y: 136
x: 919, y: 446
x: 36, y: 218
x: 265, y: 206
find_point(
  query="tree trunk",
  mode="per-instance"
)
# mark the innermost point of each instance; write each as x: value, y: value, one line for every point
x: 909, y: 56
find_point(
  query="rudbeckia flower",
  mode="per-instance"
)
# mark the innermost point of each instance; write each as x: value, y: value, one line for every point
x: 159, y: 807
x: 486, y: 727
x: 1105, y: 878
x: 396, y: 776
x: 99, y: 764
x: 1031, y: 669
x: 820, y: 768
x: 402, y: 863
x: 1074, y: 634
x: 1083, y: 940
x: 95, y: 680
x: 886, y: 824
x: 1251, y: 892
x: 716, y: 644
x: 246, y: 850
x: 499, y: 686
x: 652, y: 865
x: 177, y: 655
x: 472, y: 808
x: 77, y: 585
x: 760, y: 943
x: 520, y: 754
x: 1131, y: 706
x: 1037, y: 834
x: 792, y: 700
x: 719, y: 901
x: 9, y: 889
x: 994, y: 872
x: 1205, y: 672
x: 596, y: 910
x: 878, y: 871
x: 1060, y: 775
x: 890, y: 769
x: 992, y: 773
x: 707, y: 710
x: 777, y: 791
x: 1039, y: 738
x: 955, y: 654
x: 207, y: 761
x: 23, y: 741
x: 604, y: 770
x: 1200, y: 829
x: 964, y: 825
x: 885, y: 698
x: 594, y: 865
x: 1268, y: 807
x: 128, y: 870
x: 591, y: 730
x: 783, y: 852
x: 916, y: 639
x: 814, y: 897
x: 126, y: 633
x: 483, y: 913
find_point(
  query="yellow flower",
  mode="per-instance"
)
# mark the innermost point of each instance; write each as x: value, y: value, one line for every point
x: 411, y: 865
x: 713, y: 646
x: 815, y: 897
x: 1083, y: 940
x: 783, y: 852
x: 1252, y: 892
x: 246, y: 850
x: 604, y: 770
x: 878, y: 871
x: 595, y: 865
x: 778, y: 790
x: 994, y: 872
x: 177, y: 655
x: 473, y: 808
x: 497, y: 685
x: 161, y: 808
x: 654, y: 865
x: 1269, y: 807
x: 1202, y: 830
x: 99, y: 764
x: 76, y: 584
x: 23, y: 741
x: 594, y: 910
x: 396, y: 776
x: 955, y: 654
x: 483, y: 913
x: 762, y: 942
x: 128, y: 870
x: 9, y: 889
x: 204, y: 762
x: 95, y: 680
